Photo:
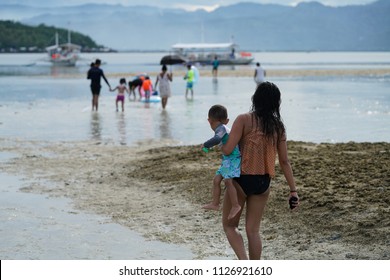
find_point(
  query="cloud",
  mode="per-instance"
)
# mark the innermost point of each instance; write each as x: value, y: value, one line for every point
x: 189, y: 7
x: 186, y: 4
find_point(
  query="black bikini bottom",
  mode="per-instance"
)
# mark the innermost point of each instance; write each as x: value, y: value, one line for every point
x: 254, y: 184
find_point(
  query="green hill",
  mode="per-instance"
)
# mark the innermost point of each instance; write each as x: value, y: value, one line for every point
x: 17, y: 37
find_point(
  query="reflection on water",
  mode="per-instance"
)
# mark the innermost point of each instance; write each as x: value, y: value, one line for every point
x: 121, y: 124
x: 147, y: 105
x: 56, y: 70
x: 147, y: 122
x: 165, y: 125
x: 215, y: 85
x: 96, y: 127
x: 34, y: 69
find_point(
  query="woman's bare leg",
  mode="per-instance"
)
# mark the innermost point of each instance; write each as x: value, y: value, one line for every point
x: 164, y: 101
x: 254, y: 213
x: 230, y: 226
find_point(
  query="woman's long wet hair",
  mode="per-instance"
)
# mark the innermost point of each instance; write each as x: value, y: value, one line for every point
x: 266, y: 107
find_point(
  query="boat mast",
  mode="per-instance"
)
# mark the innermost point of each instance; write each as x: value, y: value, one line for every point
x: 69, y: 33
x: 202, y: 32
x: 56, y: 38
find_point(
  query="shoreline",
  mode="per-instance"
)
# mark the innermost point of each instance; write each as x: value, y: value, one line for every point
x: 243, y: 72
x: 371, y: 72
x: 158, y: 189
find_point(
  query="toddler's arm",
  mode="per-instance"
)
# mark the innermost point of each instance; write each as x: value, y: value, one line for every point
x: 220, y: 132
x: 113, y: 89
x: 212, y: 142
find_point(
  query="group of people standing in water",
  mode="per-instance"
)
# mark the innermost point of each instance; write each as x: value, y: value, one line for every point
x: 145, y: 86
x: 142, y: 83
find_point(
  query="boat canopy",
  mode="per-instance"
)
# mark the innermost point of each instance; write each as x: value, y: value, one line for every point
x: 204, y: 46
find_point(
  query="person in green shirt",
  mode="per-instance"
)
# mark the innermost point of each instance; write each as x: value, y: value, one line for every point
x: 215, y: 67
x: 190, y: 80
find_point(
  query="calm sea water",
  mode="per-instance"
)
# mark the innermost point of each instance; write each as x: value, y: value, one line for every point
x: 37, y: 101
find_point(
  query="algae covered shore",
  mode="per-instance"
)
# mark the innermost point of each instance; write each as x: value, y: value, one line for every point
x: 157, y: 189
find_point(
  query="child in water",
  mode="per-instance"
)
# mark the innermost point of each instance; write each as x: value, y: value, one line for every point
x: 147, y: 87
x: 121, y: 93
x: 231, y: 164
x: 190, y: 77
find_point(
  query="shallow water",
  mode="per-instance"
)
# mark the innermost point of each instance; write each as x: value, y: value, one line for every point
x: 322, y: 110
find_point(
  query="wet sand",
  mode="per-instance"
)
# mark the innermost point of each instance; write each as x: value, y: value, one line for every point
x: 158, y: 190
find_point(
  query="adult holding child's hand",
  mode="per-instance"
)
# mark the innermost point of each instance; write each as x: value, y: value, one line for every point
x: 95, y: 73
x: 261, y: 136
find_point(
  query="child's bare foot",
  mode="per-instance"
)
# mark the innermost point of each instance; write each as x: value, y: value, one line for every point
x: 234, y: 211
x: 211, y: 206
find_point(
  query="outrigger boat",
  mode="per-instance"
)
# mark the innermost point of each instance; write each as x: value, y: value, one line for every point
x: 65, y: 54
x: 204, y: 53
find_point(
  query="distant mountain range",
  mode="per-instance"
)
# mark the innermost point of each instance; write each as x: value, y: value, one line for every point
x: 257, y: 27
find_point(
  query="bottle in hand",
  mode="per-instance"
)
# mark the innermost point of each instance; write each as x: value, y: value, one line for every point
x: 292, y: 201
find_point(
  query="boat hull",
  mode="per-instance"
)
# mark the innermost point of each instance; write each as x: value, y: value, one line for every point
x: 175, y: 59
x: 64, y: 61
x: 236, y: 61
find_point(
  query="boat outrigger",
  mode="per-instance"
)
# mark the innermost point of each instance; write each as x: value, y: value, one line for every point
x: 65, y: 54
x: 204, y: 53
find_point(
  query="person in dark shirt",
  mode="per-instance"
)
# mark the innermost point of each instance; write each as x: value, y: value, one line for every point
x: 136, y: 83
x: 95, y: 74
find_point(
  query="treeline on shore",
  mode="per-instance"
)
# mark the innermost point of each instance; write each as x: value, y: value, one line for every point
x: 18, y: 37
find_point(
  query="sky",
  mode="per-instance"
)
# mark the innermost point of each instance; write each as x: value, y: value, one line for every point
x: 208, y: 5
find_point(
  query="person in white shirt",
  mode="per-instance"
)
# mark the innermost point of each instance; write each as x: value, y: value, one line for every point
x: 164, y: 87
x: 259, y: 75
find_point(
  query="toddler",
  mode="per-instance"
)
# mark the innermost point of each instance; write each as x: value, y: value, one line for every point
x: 231, y: 164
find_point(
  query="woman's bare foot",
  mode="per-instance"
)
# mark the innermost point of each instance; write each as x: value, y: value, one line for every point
x: 234, y: 211
x: 211, y: 206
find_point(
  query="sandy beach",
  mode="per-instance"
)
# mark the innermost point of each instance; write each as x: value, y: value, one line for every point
x: 157, y: 189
